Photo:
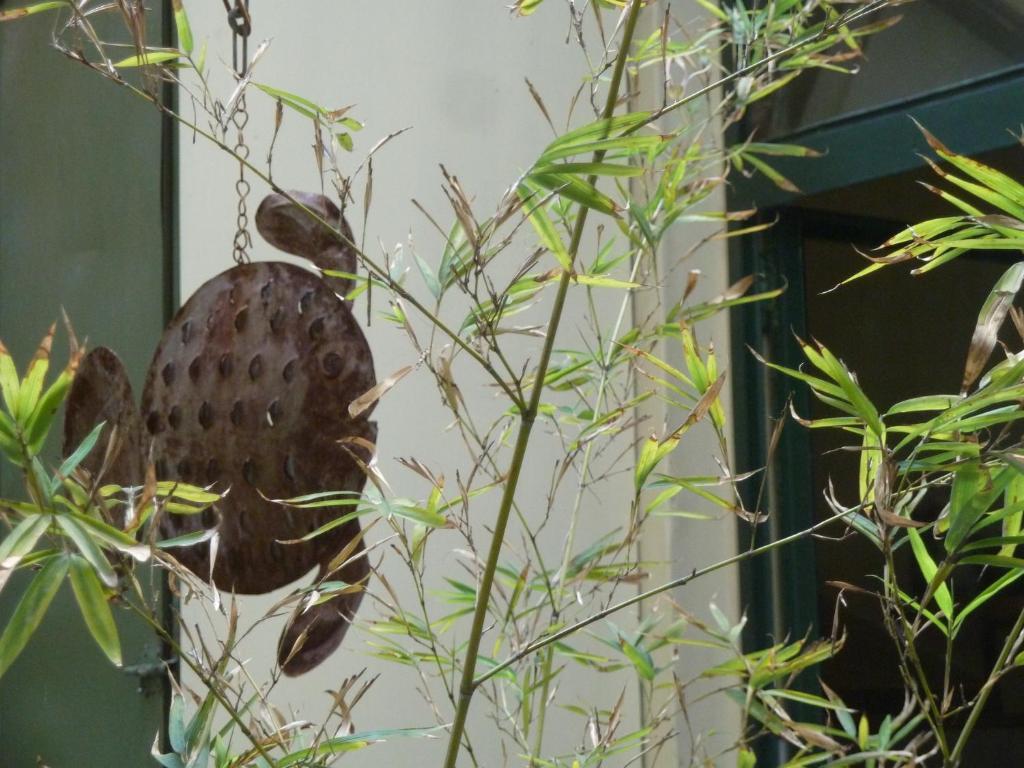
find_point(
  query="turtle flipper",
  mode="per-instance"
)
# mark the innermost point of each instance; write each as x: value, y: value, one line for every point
x: 101, y: 392
x: 314, y: 634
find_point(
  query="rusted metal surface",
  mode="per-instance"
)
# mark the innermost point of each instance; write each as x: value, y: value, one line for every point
x: 249, y: 392
x: 102, y: 392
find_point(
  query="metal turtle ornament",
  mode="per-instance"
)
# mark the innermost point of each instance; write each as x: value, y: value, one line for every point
x: 249, y: 391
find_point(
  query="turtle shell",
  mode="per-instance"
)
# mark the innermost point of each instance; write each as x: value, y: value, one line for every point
x: 249, y: 391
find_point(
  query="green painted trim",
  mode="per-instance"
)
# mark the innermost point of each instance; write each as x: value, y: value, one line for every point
x: 169, y: 177
x: 171, y: 260
x: 971, y: 118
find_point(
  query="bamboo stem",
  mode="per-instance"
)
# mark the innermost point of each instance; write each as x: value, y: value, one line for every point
x: 468, y: 683
x: 748, y: 554
x: 1012, y: 640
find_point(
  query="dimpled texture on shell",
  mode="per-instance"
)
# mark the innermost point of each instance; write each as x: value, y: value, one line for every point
x: 249, y: 391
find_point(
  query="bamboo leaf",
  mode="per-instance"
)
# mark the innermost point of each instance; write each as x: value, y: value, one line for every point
x: 95, y: 609
x: 928, y: 569
x: 113, y: 537
x: 10, y: 384
x: 578, y: 190
x: 187, y: 539
x: 526, y: 7
x: 32, y: 385
x: 651, y: 454
x: 599, y: 130
x: 183, y: 27
x: 985, y: 595
x: 639, y: 658
x: 29, y: 10
x: 292, y: 101
x: 603, y: 281
x: 90, y: 551
x: 369, y: 398
x: 38, y: 424
x: 149, y: 58
x: 19, y: 542
x: 990, y: 320
x: 30, y: 611
x: 925, y: 403
x: 970, y: 497
x: 341, y: 744
x: 588, y: 169
x: 533, y: 197
x: 71, y: 462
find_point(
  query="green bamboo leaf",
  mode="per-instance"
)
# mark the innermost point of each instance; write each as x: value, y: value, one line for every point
x: 9, y: 443
x: 628, y: 145
x: 197, y: 732
x: 807, y: 698
x: 187, y: 539
x: 89, y: 549
x: 28, y: 10
x: 341, y: 744
x: 150, y: 57
x: 183, y: 27
x: 825, y: 361
x: 999, y: 182
x: 344, y: 140
x: 294, y: 102
x: 651, y: 454
x: 534, y: 198
x: 31, y: 610
x: 32, y: 385
x: 71, y: 462
x: 201, y: 59
x: 326, y: 527
x: 600, y: 130
x: 186, y: 492
x: 19, y: 542
x: 95, y: 609
x: 429, y: 278
x: 997, y: 561
x: 176, y: 723
x: 576, y: 189
x: 10, y: 384
x: 779, y: 150
x: 603, y: 281
x: 925, y: 403
x: 1013, y: 500
x: 973, y: 493
x: 410, y: 510
x: 772, y: 175
x: 985, y: 595
x: 815, y: 383
x: 639, y: 658
x: 926, y: 564
x: 526, y: 7
x: 37, y: 426
x: 588, y: 169
x: 772, y: 87
x: 112, y: 537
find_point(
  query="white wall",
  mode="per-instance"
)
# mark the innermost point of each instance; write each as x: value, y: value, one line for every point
x: 454, y: 72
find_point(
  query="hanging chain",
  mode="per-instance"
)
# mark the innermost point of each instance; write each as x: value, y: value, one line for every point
x: 241, y: 25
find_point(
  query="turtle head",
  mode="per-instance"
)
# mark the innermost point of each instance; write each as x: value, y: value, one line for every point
x: 300, y: 231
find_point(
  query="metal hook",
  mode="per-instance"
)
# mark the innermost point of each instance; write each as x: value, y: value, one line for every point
x: 238, y: 17
x: 241, y: 27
